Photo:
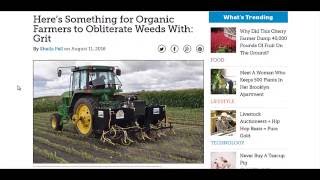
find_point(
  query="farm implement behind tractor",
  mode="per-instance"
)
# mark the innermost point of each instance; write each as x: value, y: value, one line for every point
x: 95, y: 107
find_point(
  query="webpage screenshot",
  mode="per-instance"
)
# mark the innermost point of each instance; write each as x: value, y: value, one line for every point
x: 160, y: 89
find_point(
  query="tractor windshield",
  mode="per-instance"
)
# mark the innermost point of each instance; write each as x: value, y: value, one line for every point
x: 103, y: 79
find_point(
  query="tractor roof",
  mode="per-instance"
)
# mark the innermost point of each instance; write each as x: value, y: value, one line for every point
x: 104, y: 68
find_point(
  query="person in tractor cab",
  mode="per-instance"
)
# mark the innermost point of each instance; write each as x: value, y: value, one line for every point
x: 99, y: 82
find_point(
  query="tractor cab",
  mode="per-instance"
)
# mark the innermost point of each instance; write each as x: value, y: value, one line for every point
x: 100, y: 81
x: 95, y: 77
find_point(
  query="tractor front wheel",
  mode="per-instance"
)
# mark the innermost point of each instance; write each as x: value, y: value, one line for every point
x: 83, y: 115
x: 55, y: 121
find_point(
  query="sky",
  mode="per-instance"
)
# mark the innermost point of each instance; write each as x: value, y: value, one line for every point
x: 135, y: 75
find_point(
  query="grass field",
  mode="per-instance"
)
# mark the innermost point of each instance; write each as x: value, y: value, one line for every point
x: 186, y: 146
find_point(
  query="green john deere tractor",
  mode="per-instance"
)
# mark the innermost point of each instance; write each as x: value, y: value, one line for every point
x: 96, y: 107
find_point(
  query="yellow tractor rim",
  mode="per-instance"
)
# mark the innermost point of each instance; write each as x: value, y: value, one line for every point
x: 85, y: 119
x: 54, y: 122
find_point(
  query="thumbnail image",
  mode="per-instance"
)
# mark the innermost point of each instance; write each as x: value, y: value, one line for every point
x: 223, y: 81
x: 223, y: 122
x: 223, y: 40
x: 118, y: 111
x: 223, y: 160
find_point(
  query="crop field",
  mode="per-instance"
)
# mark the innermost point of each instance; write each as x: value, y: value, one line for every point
x: 185, y: 146
x: 190, y: 98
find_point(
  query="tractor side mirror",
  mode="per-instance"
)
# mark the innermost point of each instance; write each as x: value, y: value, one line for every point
x: 118, y: 72
x: 59, y: 73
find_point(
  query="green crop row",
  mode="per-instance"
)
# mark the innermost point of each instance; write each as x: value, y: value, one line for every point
x: 192, y: 98
x: 46, y: 104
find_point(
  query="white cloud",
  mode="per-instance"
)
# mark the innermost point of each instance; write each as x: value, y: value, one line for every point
x: 59, y: 82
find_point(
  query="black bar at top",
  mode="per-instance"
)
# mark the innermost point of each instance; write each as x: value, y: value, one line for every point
x: 160, y: 5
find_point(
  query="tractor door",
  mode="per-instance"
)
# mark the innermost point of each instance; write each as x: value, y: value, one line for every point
x: 79, y: 82
x: 80, y: 79
x: 75, y: 81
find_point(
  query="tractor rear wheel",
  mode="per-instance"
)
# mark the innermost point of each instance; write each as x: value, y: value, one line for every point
x: 83, y: 115
x: 55, y: 121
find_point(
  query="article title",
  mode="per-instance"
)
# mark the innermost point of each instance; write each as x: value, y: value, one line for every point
x: 44, y: 26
